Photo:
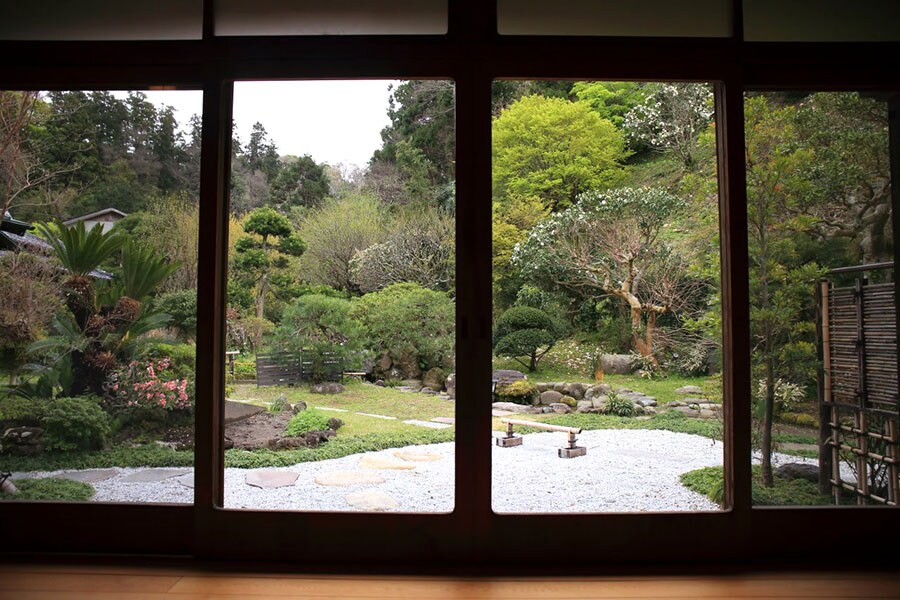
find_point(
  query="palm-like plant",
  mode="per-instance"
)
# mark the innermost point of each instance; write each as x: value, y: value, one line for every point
x: 80, y: 251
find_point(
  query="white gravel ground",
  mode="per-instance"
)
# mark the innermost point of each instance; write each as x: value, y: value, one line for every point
x: 623, y: 471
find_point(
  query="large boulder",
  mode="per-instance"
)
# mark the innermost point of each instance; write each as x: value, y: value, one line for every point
x: 451, y: 385
x: 620, y: 364
x: 689, y: 390
x: 791, y: 471
x: 384, y: 363
x: 22, y: 441
x: 408, y: 363
x: 507, y: 376
x: 550, y: 397
x: 434, y: 379
x: 576, y: 390
x: 516, y: 408
x: 327, y: 388
x: 584, y: 406
x: 598, y: 389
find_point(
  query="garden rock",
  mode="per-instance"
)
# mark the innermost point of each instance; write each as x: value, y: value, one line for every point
x: 373, y: 500
x: 379, y: 461
x: 379, y: 382
x: 90, y: 475
x: 687, y: 390
x: 584, y: 406
x: 269, y: 479
x: 238, y: 411
x: 599, y: 402
x: 335, y: 424
x: 154, y: 475
x: 560, y: 408
x: 507, y: 376
x: 620, y: 364
x: 434, y: 379
x: 287, y: 443
x: 568, y: 401
x: 394, y: 373
x: 427, y: 390
x: 792, y: 471
x: 408, y: 363
x: 541, y: 387
x: 384, y: 363
x: 559, y: 387
x: 575, y: 390
x: 451, y: 385
x: 516, y: 408
x: 599, y: 389
x: 327, y: 388
x: 550, y: 396
x: 298, y: 407
x: 22, y: 441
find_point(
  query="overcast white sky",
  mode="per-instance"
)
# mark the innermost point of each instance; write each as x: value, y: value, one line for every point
x: 332, y: 121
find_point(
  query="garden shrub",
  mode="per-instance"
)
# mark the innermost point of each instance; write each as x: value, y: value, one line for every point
x: 321, y: 327
x: 795, y: 492
x: 75, y: 424
x: 148, y: 389
x: 306, y: 421
x: 619, y: 406
x: 181, y: 305
x: 182, y: 357
x: 21, y: 411
x: 520, y: 392
x: 50, y: 488
x: 801, y: 419
x: 787, y: 394
x: 409, y: 321
x: 523, y: 331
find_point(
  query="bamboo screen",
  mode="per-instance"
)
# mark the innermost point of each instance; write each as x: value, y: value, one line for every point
x: 860, y: 402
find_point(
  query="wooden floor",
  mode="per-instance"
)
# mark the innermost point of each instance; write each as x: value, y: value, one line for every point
x: 69, y: 582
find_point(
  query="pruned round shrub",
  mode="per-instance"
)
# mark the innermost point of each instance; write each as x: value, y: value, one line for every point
x: 181, y: 305
x: 520, y: 392
x: 413, y: 324
x: 619, y: 406
x: 306, y: 421
x: 801, y: 419
x: 21, y: 411
x: 526, y: 332
x: 75, y: 424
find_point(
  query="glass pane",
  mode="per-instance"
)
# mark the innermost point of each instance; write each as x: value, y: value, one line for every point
x: 336, y: 17
x: 823, y: 326
x: 688, y: 18
x: 821, y: 21
x: 103, y: 20
x: 607, y: 340
x: 98, y: 277
x: 341, y: 312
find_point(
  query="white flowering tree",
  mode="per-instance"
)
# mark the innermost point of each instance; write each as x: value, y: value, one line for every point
x: 672, y: 118
x: 610, y: 243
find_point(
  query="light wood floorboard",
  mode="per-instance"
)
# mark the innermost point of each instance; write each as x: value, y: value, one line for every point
x: 77, y: 582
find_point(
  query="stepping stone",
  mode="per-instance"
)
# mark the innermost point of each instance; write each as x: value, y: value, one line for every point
x: 154, y: 475
x: 345, y: 478
x: 238, y: 411
x: 331, y: 409
x: 271, y: 479
x: 500, y: 413
x: 187, y: 480
x: 379, y: 461
x: 373, y: 500
x: 90, y: 475
x: 378, y: 416
x: 417, y: 456
x: 428, y: 424
x: 447, y: 420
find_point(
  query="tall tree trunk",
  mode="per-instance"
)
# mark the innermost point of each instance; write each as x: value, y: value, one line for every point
x: 261, y: 295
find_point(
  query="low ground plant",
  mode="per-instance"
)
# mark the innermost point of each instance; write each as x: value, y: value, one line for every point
x: 306, y: 421
x: 795, y: 492
x: 50, y: 488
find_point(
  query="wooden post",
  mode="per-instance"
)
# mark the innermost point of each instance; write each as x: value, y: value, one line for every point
x: 826, y: 433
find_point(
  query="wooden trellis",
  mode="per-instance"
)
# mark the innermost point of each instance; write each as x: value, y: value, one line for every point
x: 859, y: 418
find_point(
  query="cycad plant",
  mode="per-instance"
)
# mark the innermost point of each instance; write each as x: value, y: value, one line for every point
x: 80, y: 252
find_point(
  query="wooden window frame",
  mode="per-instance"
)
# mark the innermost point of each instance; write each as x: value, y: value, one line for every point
x: 473, y: 55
